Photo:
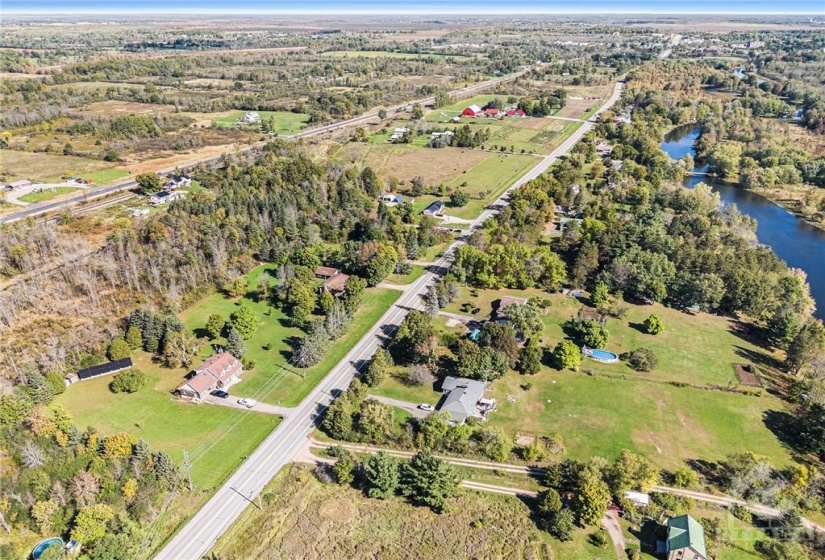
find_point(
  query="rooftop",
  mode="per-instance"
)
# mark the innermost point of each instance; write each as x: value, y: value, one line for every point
x: 686, y: 532
x: 462, y: 397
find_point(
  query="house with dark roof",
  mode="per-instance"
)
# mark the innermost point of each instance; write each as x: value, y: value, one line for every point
x: 464, y: 398
x: 337, y: 283
x: 326, y: 272
x: 685, y: 539
x: 434, y: 209
x: 178, y: 182
x: 164, y: 197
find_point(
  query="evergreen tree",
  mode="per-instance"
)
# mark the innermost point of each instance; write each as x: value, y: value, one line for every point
x: 529, y: 358
x: 235, y: 344
x: 378, y: 368
x: 382, y: 474
x: 133, y: 337
x: 429, y: 481
x: 310, y: 349
x: 214, y: 325
x: 600, y: 296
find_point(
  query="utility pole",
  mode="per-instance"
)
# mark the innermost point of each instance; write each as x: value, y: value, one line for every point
x: 188, y: 468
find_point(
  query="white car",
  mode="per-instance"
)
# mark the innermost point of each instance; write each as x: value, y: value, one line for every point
x: 248, y: 403
x: 427, y: 407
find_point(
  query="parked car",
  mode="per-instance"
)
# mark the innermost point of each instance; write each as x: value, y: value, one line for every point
x: 427, y: 407
x: 220, y: 394
x: 476, y: 311
x: 248, y: 403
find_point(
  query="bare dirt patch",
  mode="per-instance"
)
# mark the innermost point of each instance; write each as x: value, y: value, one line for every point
x: 575, y: 108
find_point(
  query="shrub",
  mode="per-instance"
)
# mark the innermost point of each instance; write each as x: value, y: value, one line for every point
x: 129, y: 381
x: 654, y: 324
x: 641, y: 359
x: 567, y: 355
x: 743, y: 513
x: 598, y: 539
x: 118, y: 350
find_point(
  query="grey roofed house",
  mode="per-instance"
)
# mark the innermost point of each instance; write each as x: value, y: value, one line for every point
x: 462, y: 400
x: 436, y: 208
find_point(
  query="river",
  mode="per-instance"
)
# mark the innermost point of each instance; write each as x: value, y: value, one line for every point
x: 799, y: 244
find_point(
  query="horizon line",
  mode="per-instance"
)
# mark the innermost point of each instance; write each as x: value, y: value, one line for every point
x: 400, y: 11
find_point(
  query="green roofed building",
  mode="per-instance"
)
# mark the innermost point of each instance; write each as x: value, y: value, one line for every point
x: 685, y: 539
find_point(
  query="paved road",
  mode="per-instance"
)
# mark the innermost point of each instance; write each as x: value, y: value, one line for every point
x: 220, y: 512
x: 98, y: 192
x: 412, y: 408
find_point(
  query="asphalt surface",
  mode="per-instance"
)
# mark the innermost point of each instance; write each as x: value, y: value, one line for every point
x: 198, y: 536
x: 99, y: 192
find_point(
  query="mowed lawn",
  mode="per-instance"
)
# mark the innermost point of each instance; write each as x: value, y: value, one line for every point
x: 285, y: 122
x: 600, y: 416
x: 217, y: 438
x: 696, y: 349
x: 272, y: 379
x: 46, y: 194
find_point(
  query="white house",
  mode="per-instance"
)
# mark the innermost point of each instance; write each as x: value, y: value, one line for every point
x: 251, y: 118
x: 177, y: 182
x: 164, y: 197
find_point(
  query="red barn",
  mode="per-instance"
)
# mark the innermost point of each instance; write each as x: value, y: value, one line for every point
x: 472, y: 111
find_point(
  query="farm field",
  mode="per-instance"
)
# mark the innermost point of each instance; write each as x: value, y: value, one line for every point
x: 273, y: 380
x: 113, y: 108
x: 304, y: 518
x: 209, y: 433
x: 285, y: 122
x: 49, y: 168
x: 404, y: 162
x: 489, y: 179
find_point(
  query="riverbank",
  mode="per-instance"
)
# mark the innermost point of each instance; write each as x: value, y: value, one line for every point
x: 798, y: 241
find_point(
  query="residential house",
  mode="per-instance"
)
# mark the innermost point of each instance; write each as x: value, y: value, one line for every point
x: 603, y: 149
x: 176, y: 182
x: 435, y: 209
x: 391, y: 199
x: 685, y: 539
x: 505, y: 302
x: 398, y: 133
x: 326, y: 272
x: 464, y: 398
x: 515, y: 113
x: 251, y: 118
x: 446, y: 134
x: 472, y: 111
x: 164, y: 197
x: 217, y: 372
x: 337, y: 283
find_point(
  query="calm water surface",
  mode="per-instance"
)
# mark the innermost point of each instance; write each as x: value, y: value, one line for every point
x: 797, y: 243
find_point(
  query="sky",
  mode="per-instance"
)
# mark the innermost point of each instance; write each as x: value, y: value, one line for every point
x: 514, y: 7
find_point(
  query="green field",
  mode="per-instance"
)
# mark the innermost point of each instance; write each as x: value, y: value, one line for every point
x: 403, y: 280
x: 492, y: 176
x: 285, y: 122
x: 273, y: 380
x: 46, y: 194
x: 209, y: 433
x: 106, y: 175
x: 449, y: 111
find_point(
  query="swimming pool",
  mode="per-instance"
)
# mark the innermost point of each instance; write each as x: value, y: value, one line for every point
x: 602, y: 355
x: 48, y: 543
